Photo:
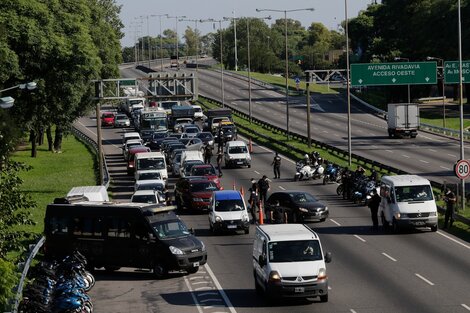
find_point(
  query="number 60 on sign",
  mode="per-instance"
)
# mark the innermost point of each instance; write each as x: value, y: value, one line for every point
x: 462, y: 169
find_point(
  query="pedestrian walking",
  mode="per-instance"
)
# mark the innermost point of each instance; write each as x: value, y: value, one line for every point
x: 207, y: 154
x: 219, y: 162
x: 449, y: 199
x: 264, y: 187
x: 374, y: 203
x: 253, y: 201
x: 277, y: 165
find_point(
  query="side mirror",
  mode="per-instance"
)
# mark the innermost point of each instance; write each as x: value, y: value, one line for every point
x: 328, y: 257
x: 191, y: 230
x: 262, y: 260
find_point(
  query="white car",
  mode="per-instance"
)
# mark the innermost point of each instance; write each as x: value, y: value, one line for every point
x: 198, y: 114
x: 150, y: 184
x: 130, y: 144
x: 121, y: 120
x: 148, y: 196
x: 149, y: 174
x: 228, y: 212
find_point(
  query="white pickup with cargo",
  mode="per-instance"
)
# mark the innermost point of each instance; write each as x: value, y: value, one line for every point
x: 92, y: 193
x: 403, y: 120
x: 407, y: 201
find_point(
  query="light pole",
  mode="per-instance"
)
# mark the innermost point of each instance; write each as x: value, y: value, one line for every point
x: 161, y: 38
x: 406, y: 60
x: 8, y: 102
x: 287, y: 58
x: 269, y: 63
x: 235, y: 38
x: 221, y: 57
x: 348, y: 87
x: 142, y: 41
x: 462, y: 153
x: 249, y: 61
x: 177, y: 39
x: 197, y: 39
x: 443, y: 89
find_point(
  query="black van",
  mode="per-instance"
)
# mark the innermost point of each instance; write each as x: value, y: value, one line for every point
x: 114, y: 235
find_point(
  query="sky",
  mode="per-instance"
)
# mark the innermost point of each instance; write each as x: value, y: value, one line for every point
x: 328, y: 12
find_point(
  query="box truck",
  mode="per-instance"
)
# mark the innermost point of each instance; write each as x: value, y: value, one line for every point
x: 403, y: 120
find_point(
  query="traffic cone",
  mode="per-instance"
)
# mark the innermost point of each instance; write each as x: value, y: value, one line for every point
x: 250, y: 145
x: 233, y: 186
x: 242, y: 191
x: 261, y: 214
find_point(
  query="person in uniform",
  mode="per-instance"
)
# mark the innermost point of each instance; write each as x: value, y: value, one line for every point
x: 277, y: 165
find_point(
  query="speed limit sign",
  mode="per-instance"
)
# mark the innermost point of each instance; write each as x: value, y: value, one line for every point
x: 462, y: 169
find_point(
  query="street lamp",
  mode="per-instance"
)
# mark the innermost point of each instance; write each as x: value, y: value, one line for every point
x: 462, y: 152
x: 348, y: 86
x: 249, y: 60
x: 221, y: 57
x: 177, y: 39
x: 161, y: 38
x: 8, y: 102
x: 142, y: 41
x: 406, y: 60
x: 148, y: 37
x: 287, y: 57
x: 443, y: 89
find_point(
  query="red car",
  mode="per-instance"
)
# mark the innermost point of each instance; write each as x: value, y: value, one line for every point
x: 107, y: 119
x: 195, y: 194
x: 131, y: 155
x: 206, y: 170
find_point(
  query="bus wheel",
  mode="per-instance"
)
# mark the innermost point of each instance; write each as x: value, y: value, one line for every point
x: 160, y: 271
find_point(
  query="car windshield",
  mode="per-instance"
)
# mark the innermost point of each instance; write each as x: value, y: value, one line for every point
x: 159, y: 135
x: 168, y: 105
x: 294, y: 251
x: 205, y: 136
x: 107, y: 115
x: 203, y: 171
x: 203, y: 186
x: 170, y: 229
x: 191, y: 130
x: 121, y: 117
x: 144, y: 199
x: 228, y: 205
x: 150, y: 187
x: 302, y: 197
x: 413, y: 193
x: 237, y: 149
x: 151, y: 164
x: 150, y: 175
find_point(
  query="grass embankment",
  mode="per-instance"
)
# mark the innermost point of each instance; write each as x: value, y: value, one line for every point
x: 54, y: 174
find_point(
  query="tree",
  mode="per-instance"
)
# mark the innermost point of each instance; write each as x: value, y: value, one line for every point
x: 192, y: 37
x: 8, y: 279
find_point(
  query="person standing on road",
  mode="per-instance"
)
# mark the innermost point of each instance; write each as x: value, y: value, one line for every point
x: 263, y: 185
x: 374, y: 204
x: 253, y: 201
x: 277, y: 165
x: 207, y: 154
x: 278, y: 214
x: 449, y: 199
x: 219, y: 162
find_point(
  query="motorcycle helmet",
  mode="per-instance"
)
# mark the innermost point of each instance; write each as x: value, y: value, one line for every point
x: 306, y: 156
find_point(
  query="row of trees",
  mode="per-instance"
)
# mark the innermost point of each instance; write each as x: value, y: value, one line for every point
x: 61, y: 45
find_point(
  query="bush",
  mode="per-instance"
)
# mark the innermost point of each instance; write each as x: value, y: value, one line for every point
x: 8, y: 280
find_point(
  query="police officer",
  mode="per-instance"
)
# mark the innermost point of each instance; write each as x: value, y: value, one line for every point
x: 207, y: 154
x: 277, y: 165
x: 374, y: 204
x: 449, y: 199
x: 346, y: 181
x: 278, y: 214
x: 253, y: 201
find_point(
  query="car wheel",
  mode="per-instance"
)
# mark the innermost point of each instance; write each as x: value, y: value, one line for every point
x: 324, y: 298
x: 160, y: 271
x: 247, y: 230
x: 434, y: 228
x: 322, y: 219
x: 395, y: 227
x: 249, y: 165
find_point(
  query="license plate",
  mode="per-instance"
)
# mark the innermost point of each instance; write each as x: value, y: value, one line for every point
x: 231, y: 226
x: 299, y: 289
x: 195, y: 264
x: 239, y: 162
x: 418, y: 223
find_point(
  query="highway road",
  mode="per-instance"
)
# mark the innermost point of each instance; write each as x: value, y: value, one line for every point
x: 416, y: 271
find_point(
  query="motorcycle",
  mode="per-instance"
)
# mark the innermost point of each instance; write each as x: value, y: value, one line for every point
x: 363, y: 189
x: 305, y: 171
x: 331, y: 174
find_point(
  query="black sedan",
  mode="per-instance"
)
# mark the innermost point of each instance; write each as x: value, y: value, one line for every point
x: 300, y: 206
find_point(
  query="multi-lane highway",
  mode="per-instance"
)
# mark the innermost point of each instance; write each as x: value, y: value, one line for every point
x: 418, y: 271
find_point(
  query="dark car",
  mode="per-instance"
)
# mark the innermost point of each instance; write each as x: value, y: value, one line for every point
x: 206, y: 137
x: 301, y: 206
x: 194, y: 194
x: 156, y: 140
x: 207, y: 170
x: 229, y: 132
x: 147, y: 134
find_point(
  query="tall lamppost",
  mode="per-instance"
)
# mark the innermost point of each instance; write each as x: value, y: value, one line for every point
x: 8, y: 102
x: 221, y: 56
x: 443, y: 89
x: 249, y: 59
x: 287, y: 57
x: 348, y: 86
x: 142, y: 41
x: 234, y: 19
x: 406, y: 60
x: 197, y: 39
x: 177, y: 39
x: 161, y: 38
x: 462, y: 152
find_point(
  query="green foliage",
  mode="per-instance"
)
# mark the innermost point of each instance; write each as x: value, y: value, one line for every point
x: 15, y: 207
x: 8, y: 280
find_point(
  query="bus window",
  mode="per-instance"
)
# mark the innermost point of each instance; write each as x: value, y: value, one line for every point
x: 119, y: 228
x: 59, y: 225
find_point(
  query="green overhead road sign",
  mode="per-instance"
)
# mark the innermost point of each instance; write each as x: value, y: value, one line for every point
x: 398, y: 73
x: 451, y: 73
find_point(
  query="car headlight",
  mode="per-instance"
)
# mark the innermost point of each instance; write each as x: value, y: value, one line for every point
x: 397, y: 215
x: 210, y: 142
x: 218, y: 219
x: 248, y: 158
x: 433, y: 214
x: 198, y: 199
x: 245, y: 218
x: 274, y: 277
x: 303, y: 210
x: 176, y: 251
x: 322, y: 274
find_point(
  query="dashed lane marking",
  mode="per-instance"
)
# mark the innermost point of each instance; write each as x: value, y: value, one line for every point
x: 423, y: 161
x: 388, y: 256
x: 257, y: 172
x: 338, y: 224
x: 361, y: 239
x: 445, y: 168
x: 405, y: 156
x: 282, y: 188
x: 466, y: 306
x: 424, y: 279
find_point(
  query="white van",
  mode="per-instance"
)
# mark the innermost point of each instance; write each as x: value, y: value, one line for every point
x: 228, y: 212
x: 191, y: 155
x: 288, y: 262
x: 407, y: 201
x: 92, y: 193
x: 198, y: 114
x: 150, y: 161
x: 236, y: 153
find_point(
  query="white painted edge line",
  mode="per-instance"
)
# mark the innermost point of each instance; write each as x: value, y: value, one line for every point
x: 388, y: 256
x: 466, y: 306
x: 424, y: 279
x: 389, y: 151
x: 454, y: 240
x: 219, y: 287
x: 257, y: 172
x: 432, y: 150
x: 338, y: 224
x: 200, y: 282
x: 196, y: 277
x: 199, y: 309
x: 451, y: 155
x: 361, y: 239
x: 282, y: 188
x: 445, y: 168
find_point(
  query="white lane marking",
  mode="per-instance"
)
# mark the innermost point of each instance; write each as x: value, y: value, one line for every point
x: 200, y: 282
x: 338, y: 224
x: 337, y: 135
x: 282, y: 188
x: 257, y: 172
x: 405, y: 156
x: 454, y: 240
x: 361, y: 239
x: 423, y: 161
x: 329, y: 287
x: 207, y: 294
x: 203, y: 288
x: 371, y: 134
x: 208, y: 300
x: 424, y: 279
x: 196, y: 277
x: 352, y: 311
x: 432, y: 150
x: 445, y: 168
x: 386, y: 255
x: 451, y: 155
x: 192, y: 294
x: 374, y: 146
x: 219, y: 287
x: 466, y: 306
x: 389, y: 151
x: 325, y: 131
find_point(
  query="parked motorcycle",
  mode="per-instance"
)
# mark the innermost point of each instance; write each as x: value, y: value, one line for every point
x: 331, y: 174
x: 306, y: 172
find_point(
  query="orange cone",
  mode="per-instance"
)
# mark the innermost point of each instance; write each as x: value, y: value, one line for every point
x: 250, y: 145
x: 261, y: 215
x: 242, y: 191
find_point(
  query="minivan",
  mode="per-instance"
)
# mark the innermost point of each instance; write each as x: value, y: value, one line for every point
x: 228, y: 212
x: 288, y: 262
x: 407, y: 201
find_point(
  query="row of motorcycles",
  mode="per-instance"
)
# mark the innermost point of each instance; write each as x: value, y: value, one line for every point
x: 59, y: 287
x: 360, y: 185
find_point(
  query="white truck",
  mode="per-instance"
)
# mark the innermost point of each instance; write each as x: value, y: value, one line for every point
x: 403, y: 120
